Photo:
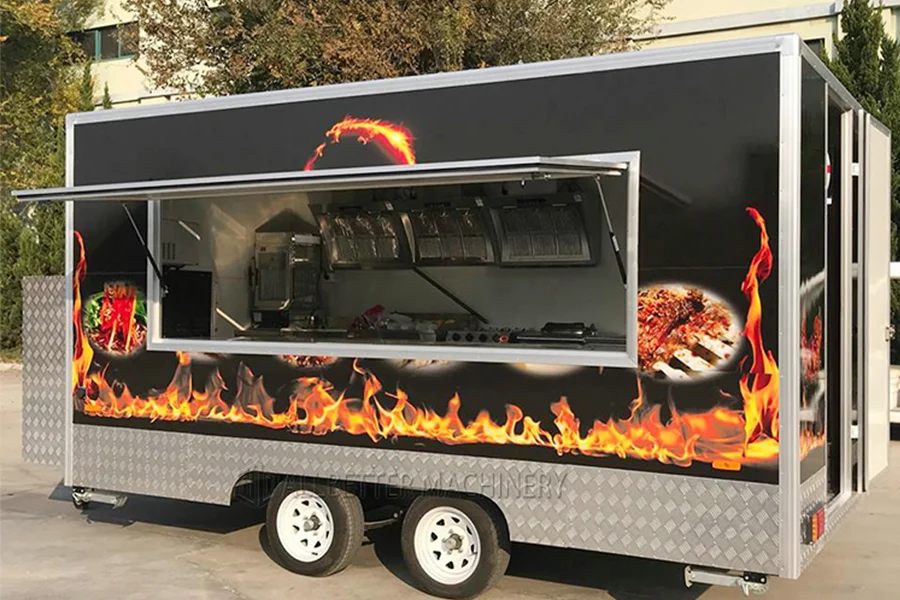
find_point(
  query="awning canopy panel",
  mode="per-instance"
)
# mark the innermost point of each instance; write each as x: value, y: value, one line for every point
x: 443, y: 173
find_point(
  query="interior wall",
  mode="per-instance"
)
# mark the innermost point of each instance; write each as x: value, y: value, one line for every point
x: 226, y: 228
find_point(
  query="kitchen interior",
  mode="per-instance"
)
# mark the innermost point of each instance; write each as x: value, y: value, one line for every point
x: 525, y: 262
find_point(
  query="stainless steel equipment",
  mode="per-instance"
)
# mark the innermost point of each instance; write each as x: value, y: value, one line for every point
x: 363, y: 237
x: 448, y: 234
x: 542, y: 231
x: 285, y: 273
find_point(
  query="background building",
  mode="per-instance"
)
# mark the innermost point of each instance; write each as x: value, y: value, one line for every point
x: 692, y: 21
x: 686, y: 22
x: 108, y: 41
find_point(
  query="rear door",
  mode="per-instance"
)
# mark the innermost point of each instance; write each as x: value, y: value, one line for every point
x: 877, y: 172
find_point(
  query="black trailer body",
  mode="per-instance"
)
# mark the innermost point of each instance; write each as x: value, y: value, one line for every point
x: 600, y: 293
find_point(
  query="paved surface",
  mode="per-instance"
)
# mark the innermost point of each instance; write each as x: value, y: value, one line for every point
x: 164, y: 549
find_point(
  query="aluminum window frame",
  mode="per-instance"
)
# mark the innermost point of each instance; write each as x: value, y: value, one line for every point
x: 626, y: 163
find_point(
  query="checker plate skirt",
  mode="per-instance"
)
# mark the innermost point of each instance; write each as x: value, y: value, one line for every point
x: 709, y: 522
x: 44, y: 370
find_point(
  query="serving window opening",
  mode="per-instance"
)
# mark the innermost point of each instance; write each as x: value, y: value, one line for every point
x: 520, y: 264
x: 529, y: 267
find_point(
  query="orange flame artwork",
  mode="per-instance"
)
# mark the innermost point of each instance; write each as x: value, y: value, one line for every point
x: 726, y: 438
x: 394, y: 140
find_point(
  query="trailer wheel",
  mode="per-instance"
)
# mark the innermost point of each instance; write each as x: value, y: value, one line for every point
x: 78, y: 498
x: 453, y: 546
x: 314, y: 529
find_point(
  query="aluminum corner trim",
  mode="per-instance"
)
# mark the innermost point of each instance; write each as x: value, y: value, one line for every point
x: 69, y: 274
x: 789, y: 312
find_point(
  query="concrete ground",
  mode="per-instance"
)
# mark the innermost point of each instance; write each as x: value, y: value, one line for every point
x: 157, y: 548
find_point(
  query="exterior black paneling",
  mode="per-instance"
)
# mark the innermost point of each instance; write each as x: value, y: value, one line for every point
x: 707, y: 130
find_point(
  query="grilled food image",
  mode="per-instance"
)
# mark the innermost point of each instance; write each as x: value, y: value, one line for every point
x: 684, y: 332
x: 811, y: 348
x: 429, y: 365
x: 116, y: 319
x: 308, y: 362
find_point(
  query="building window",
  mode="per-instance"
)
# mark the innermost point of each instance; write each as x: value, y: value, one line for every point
x: 106, y: 43
x: 816, y: 45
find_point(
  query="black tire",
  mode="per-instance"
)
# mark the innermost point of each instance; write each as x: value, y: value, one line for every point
x: 492, y: 535
x: 347, y: 518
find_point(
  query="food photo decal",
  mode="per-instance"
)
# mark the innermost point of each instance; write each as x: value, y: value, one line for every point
x: 684, y: 332
x: 115, y: 320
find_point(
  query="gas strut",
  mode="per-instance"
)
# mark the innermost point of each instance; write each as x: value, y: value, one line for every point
x: 149, y: 254
x: 612, y: 233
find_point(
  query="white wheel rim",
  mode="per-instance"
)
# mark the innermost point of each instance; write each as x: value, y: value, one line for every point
x: 305, y: 526
x: 447, y: 545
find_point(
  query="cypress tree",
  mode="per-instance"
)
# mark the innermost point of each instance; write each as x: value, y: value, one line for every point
x: 107, y: 101
x: 86, y: 89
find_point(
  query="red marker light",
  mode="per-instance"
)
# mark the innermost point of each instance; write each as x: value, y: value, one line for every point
x: 816, y: 526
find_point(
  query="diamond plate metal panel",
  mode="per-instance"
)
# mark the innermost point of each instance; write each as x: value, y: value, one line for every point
x: 813, y: 492
x: 44, y: 322
x: 711, y: 522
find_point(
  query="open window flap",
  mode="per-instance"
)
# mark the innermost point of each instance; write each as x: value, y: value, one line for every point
x: 443, y: 173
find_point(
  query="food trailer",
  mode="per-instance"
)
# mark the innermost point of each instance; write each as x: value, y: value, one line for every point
x: 634, y: 303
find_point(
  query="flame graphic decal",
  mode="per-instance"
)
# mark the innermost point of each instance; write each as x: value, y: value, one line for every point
x: 759, y: 384
x: 392, y: 139
x: 83, y: 355
x: 724, y: 437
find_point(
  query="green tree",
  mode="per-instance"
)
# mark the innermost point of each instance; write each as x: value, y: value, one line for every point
x: 39, y: 84
x: 867, y: 61
x: 107, y: 101
x: 251, y: 45
x: 86, y: 89
x: 10, y: 284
